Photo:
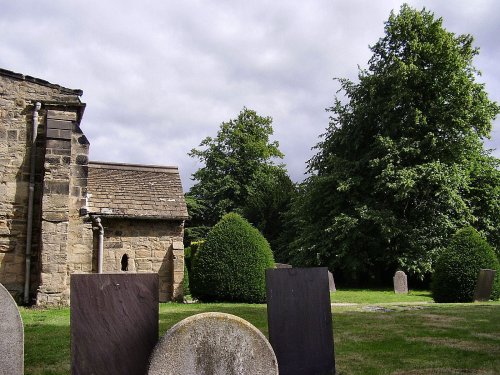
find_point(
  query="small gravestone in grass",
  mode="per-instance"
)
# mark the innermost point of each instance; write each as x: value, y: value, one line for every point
x: 484, y: 285
x: 331, y: 282
x: 400, y: 283
x: 11, y: 336
x: 300, y: 320
x: 213, y: 344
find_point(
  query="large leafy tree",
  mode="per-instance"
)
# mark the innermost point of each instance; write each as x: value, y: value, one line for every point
x: 237, y: 164
x: 399, y: 168
x: 266, y: 205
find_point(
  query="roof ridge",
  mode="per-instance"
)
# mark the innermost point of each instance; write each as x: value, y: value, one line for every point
x: 39, y: 81
x: 133, y: 167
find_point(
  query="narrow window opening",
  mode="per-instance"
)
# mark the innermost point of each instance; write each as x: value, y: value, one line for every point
x: 125, y: 262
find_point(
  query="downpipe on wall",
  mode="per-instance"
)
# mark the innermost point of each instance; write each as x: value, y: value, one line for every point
x: 31, y: 196
x: 100, y: 248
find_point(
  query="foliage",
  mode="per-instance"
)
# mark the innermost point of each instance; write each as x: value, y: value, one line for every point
x: 236, y: 164
x: 484, y: 198
x: 189, y: 254
x: 267, y: 202
x: 231, y: 264
x: 239, y: 175
x: 457, y: 268
x: 185, y: 282
x: 401, y: 165
x: 195, y: 229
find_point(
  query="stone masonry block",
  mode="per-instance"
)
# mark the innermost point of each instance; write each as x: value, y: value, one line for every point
x: 60, y: 151
x: 58, y: 144
x: 58, y: 124
x: 56, y: 216
x: 12, y: 135
x: 53, y: 133
x: 56, y: 187
x: 82, y: 159
x: 178, y: 245
x: 143, y: 265
x: 62, y: 115
x: 144, y: 253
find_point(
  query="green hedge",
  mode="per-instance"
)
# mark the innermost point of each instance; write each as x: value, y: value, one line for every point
x: 189, y: 253
x: 231, y: 264
x: 457, y: 269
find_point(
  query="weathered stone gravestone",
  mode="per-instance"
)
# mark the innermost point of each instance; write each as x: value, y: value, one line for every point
x: 300, y: 320
x: 282, y: 265
x: 400, y: 282
x: 11, y: 336
x: 331, y: 282
x: 114, y: 323
x: 213, y: 344
x: 484, y: 285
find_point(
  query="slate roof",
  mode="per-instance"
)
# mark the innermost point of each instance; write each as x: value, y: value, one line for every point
x: 135, y: 191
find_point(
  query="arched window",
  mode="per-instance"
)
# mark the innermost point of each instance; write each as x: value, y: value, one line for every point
x: 125, y: 262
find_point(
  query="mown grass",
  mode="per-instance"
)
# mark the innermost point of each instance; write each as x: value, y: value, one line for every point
x: 390, y: 336
x: 368, y: 296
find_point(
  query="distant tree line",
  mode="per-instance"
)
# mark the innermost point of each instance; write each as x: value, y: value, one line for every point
x: 400, y: 168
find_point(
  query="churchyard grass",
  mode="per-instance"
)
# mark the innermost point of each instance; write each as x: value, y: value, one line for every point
x: 381, y: 334
x: 379, y: 296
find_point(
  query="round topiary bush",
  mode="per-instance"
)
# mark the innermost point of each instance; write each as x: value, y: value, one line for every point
x: 457, y: 268
x: 231, y: 264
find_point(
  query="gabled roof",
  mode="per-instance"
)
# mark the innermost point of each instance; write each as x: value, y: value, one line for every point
x: 135, y: 191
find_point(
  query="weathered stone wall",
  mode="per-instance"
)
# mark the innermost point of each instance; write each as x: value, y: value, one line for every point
x: 63, y: 241
x: 66, y: 238
x: 80, y: 235
x: 151, y: 246
x: 18, y: 97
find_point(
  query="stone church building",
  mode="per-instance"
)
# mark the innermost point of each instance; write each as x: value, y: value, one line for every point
x: 62, y: 214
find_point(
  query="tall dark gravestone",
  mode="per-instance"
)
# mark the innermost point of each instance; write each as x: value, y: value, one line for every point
x: 300, y: 320
x: 114, y: 323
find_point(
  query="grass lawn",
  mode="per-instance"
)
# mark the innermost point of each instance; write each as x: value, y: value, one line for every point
x: 383, y: 333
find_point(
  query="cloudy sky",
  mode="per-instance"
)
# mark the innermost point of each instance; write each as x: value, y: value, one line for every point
x: 159, y: 76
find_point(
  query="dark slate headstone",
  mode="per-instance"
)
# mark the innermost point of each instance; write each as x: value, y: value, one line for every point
x: 11, y: 336
x: 114, y: 323
x: 300, y: 320
x: 484, y: 285
x: 331, y: 282
x: 400, y: 283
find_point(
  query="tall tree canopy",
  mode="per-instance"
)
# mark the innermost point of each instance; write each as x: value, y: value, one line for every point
x: 239, y: 166
x: 399, y: 168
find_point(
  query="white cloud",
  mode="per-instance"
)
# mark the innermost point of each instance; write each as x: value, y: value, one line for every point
x: 158, y: 77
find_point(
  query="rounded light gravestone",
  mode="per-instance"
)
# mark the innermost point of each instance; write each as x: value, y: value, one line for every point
x: 213, y: 344
x: 11, y: 336
x: 400, y: 283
